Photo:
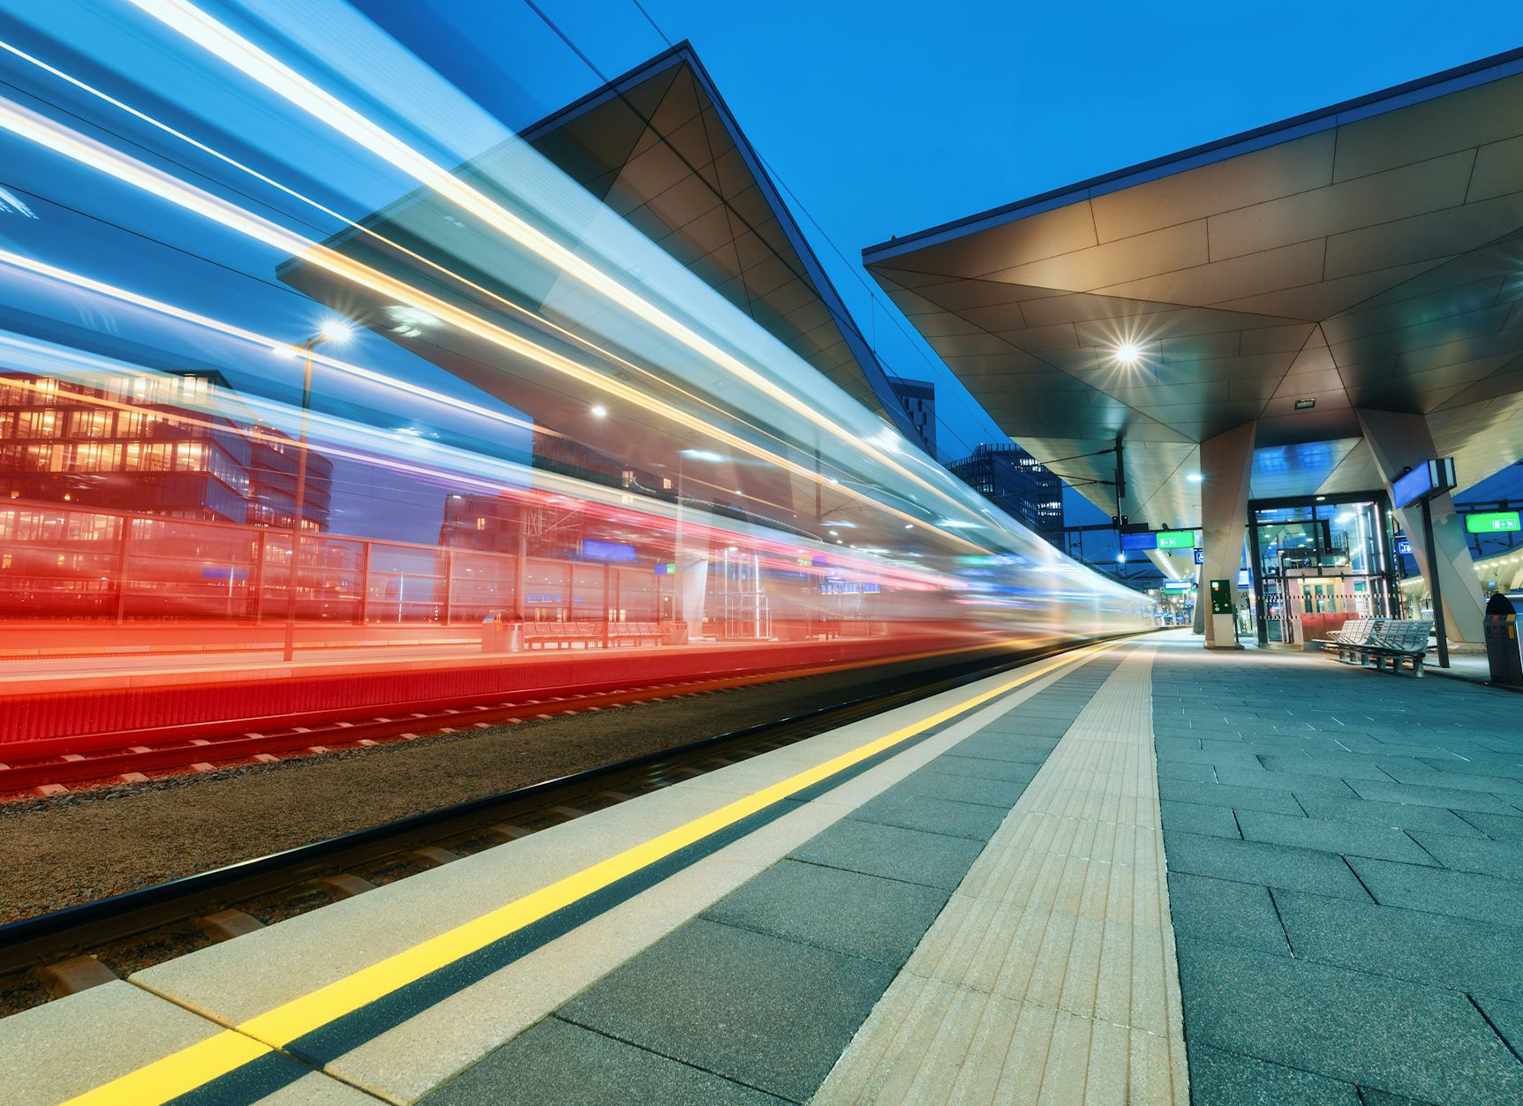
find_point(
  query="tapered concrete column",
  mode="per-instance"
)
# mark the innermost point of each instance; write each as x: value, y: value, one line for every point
x: 1400, y: 440
x: 1226, y: 463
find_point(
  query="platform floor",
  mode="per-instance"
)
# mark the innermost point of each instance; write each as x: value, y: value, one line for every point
x: 1140, y: 874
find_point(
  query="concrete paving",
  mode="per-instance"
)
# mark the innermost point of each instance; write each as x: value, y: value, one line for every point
x: 769, y: 986
x: 991, y: 914
x: 1345, y: 865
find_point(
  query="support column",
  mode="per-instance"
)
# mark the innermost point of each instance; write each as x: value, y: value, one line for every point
x: 1226, y: 463
x: 1399, y: 440
x: 690, y: 589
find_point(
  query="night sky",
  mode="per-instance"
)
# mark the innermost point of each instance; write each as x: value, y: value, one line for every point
x: 884, y: 118
x: 876, y: 119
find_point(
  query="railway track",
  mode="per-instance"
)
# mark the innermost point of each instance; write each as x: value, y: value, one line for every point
x: 57, y: 953
x: 54, y: 765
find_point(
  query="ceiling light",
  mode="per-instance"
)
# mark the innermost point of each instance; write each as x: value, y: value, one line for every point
x: 336, y: 331
x: 1194, y: 478
x: 702, y: 455
x: 1305, y: 404
x: 599, y: 411
x: 1129, y: 353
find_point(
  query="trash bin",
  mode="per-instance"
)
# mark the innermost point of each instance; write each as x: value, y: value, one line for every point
x: 501, y: 636
x: 1502, y: 644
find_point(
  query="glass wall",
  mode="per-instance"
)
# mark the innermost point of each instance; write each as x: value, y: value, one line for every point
x: 1318, y: 562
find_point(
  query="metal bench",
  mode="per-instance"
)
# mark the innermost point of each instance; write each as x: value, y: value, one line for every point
x: 1400, y: 641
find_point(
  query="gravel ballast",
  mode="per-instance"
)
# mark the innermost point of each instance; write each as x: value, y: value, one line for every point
x: 85, y: 845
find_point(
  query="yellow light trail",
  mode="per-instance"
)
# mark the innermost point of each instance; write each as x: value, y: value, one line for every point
x: 273, y: 345
x: 87, y: 151
x: 221, y: 41
x: 486, y: 293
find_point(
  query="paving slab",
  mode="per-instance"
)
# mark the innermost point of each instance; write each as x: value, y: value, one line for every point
x: 1220, y: 1078
x: 1389, y: 814
x: 1276, y: 800
x: 1458, y: 953
x: 1227, y: 912
x: 557, y: 1063
x: 713, y: 996
x: 75, y: 1044
x: 973, y: 821
x: 1390, y: 1034
x: 1261, y: 863
x: 1447, y: 797
x: 1461, y: 894
x: 1326, y: 835
x: 932, y: 859
x: 868, y: 916
x: 1218, y: 821
x: 1470, y: 854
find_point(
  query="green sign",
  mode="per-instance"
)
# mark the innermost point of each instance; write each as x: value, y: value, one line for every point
x: 1491, y: 522
x: 1176, y: 539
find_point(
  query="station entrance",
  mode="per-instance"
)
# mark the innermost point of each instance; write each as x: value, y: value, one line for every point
x: 1317, y: 561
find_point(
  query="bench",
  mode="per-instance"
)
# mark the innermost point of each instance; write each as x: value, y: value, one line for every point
x: 588, y: 635
x: 1400, y: 641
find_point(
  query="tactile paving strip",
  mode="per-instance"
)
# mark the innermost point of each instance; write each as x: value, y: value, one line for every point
x: 1050, y: 978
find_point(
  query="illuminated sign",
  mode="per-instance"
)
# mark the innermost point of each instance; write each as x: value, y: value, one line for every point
x: 1161, y: 539
x: 595, y: 550
x: 1492, y: 522
x: 1200, y: 556
x: 669, y: 568
x: 1178, y: 585
x: 1403, y: 547
x: 1423, y: 482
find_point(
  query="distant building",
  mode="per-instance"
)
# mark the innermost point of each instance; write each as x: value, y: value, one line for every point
x: 272, y: 483
x: 1011, y: 478
x: 140, y: 444
x: 486, y: 522
x: 918, y: 398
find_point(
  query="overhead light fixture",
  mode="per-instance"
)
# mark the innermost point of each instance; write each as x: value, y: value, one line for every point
x: 702, y: 455
x: 410, y: 322
x: 337, y: 331
x: 1128, y: 353
x: 599, y: 411
x: 1305, y: 404
x: 1194, y: 478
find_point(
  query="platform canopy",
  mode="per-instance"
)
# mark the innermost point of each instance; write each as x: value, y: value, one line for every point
x: 1367, y: 255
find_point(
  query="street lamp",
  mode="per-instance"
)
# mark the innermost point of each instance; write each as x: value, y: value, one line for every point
x: 336, y: 331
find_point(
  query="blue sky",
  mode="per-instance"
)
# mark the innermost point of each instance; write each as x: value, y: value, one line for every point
x: 877, y: 118
x: 884, y: 118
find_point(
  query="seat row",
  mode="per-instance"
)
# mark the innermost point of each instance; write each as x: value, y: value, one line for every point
x: 567, y: 635
x: 1378, y: 641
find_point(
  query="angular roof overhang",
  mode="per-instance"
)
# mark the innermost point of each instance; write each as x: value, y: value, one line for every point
x: 1365, y: 255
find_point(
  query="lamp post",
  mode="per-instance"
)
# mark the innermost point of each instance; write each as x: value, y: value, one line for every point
x: 336, y: 332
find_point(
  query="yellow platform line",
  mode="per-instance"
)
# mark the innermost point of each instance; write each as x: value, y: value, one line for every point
x: 192, y: 1067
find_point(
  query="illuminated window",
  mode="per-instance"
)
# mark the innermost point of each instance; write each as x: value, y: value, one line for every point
x: 37, y: 424
x: 190, y: 457
x: 90, y: 424
x: 149, y: 456
x: 95, y: 458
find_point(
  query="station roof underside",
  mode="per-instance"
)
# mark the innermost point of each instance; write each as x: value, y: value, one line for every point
x: 1367, y: 255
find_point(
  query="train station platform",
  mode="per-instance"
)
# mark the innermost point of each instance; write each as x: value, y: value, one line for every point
x: 1134, y: 873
